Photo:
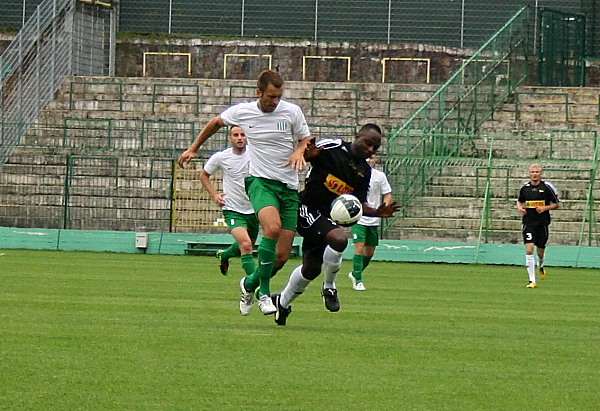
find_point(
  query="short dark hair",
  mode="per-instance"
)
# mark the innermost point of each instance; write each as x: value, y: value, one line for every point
x: 370, y: 126
x: 267, y: 77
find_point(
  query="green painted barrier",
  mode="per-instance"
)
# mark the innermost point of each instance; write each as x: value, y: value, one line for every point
x: 388, y: 250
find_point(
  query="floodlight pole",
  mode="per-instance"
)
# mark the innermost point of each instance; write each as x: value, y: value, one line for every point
x: 24, y: 9
x: 170, y: 14
x: 243, y: 16
x: 462, y: 24
x: 389, y: 28
x: 316, y: 18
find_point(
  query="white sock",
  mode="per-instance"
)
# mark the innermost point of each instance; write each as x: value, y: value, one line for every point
x: 530, y: 264
x: 294, y: 287
x: 540, y: 262
x: 332, y: 261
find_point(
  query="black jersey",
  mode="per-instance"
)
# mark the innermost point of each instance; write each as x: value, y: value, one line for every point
x: 335, y: 171
x: 540, y: 195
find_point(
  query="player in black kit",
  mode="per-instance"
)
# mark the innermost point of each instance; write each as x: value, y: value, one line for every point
x: 535, y: 201
x: 338, y: 167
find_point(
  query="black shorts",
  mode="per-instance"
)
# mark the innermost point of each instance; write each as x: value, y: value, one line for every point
x: 313, y: 226
x: 536, y: 234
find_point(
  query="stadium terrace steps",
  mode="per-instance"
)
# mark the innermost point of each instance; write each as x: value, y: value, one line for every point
x: 550, y: 108
x: 319, y: 100
x: 119, y: 135
x: 34, y: 182
x: 122, y: 134
x: 512, y: 236
x: 448, y: 186
x: 501, y: 209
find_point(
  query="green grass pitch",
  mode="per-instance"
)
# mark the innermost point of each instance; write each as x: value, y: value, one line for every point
x: 96, y: 331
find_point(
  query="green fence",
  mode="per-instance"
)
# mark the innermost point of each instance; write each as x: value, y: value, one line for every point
x: 457, y: 23
x: 561, y: 49
x: 572, y: 160
x: 448, y: 125
x: 451, y: 117
x: 471, y: 194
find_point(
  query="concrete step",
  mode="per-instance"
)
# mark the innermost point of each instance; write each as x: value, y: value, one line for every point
x: 471, y: 236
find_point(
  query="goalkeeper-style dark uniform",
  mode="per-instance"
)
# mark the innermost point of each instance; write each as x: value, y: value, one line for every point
x: 333, y: 172
x: 535, y: 226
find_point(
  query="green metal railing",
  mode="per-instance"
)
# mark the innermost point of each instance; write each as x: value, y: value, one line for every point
x: 166, y: 135
x: 248, y: 92
x: 403, y: 101
x: 561, y: 51
x: 82, y: 166
x: 482, y: 83
x: 88, y: 132
x: 483, y: 175
x: 577, y: 171
x: 453, y: 114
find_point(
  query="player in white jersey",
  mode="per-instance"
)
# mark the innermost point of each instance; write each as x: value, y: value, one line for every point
x: 366, y: 232
x: 277, y: 135
x: 237, y: 210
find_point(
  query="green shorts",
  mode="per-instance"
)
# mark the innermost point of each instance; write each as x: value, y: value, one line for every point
x: 248, y: 221
x: 264, y: 192
x: 365, y: 234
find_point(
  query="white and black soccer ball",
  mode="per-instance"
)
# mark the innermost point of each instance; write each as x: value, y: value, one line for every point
x: 346, y: 210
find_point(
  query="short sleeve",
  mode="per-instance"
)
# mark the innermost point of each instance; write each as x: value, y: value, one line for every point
x: 213, y: 163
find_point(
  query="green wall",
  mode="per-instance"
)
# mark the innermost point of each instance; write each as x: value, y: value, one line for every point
x: 389, y: 250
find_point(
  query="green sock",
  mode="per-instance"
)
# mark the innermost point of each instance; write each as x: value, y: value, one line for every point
x: 357, y: 267
x: 366, y: 261
x: 262, y: 275
x: 248, y: 264
x: 232, y: 251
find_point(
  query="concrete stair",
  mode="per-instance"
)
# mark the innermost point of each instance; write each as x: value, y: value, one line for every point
x: 121, y: 135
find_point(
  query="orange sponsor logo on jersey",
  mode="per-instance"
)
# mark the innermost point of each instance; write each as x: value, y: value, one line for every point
x: 337, y: 186
x: 535, y: 204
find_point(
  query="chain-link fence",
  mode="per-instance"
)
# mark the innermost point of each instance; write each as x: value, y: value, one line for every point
x: 61, y: 38
x: 458, y: 23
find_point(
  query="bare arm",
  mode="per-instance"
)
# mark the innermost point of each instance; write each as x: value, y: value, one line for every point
x: 219, y: 198
x: 297, y: 160
x: 211, y: 128
x: 521, y: 208
x: 312, y: 150
x: 387, y: 199
x: 383, y: 211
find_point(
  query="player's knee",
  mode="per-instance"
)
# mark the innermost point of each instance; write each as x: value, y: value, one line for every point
x: 245, y: 247
x: 310, y: 273
x: 271, y: 230
x: 338, y: 241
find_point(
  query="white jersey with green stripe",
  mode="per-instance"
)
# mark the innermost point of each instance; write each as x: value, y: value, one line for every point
x: 378, y: 186
x: 235, y: 169
x: 272, y: 138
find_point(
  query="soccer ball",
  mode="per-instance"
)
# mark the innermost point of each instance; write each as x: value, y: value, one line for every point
x: 346, y: 210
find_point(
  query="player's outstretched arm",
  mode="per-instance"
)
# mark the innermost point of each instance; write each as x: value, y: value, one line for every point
x: 312, y: 150
x: 387, y: 210
x: 211, y: 128
x: 297, y: 160
x: 383, y: 211
x: 521, y: 208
